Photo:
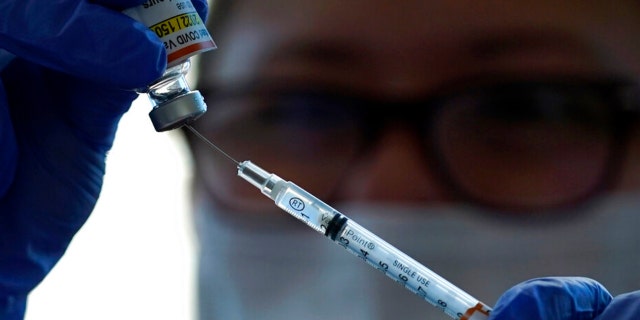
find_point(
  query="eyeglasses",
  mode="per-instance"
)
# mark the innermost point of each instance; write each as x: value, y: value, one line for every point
x: 516, y: 145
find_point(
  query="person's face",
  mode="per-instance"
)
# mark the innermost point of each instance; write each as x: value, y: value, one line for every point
x: 473, y: 101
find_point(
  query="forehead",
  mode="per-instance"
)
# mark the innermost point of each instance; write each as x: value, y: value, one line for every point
x: 410, y: 38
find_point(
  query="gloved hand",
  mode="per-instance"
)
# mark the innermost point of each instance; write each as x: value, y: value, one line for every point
x: 67, y: 68
x: 565, y: 298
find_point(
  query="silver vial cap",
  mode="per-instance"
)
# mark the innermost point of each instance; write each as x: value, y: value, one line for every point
x: 179, y: 111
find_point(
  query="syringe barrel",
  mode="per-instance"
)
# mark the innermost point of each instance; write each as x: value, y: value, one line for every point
x: 409, y: 273
x: 379, y: 254
x: 366, y: 245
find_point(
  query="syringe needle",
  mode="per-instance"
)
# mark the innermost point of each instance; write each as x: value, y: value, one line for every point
x: 209, y: 143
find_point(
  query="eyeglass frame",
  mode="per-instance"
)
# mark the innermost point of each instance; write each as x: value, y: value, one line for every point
x: 376, y: 120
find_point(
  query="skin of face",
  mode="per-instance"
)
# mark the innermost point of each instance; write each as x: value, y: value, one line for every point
x: 393, y: 51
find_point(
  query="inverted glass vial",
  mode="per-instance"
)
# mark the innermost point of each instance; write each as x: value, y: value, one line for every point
x: 183, y: 34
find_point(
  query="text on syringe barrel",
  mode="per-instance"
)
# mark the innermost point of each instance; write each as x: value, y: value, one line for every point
x: 380, y: 254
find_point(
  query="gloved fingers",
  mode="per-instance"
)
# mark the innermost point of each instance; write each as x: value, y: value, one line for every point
x: 84, y: 39
x: 118, y: 5
x: 8, y: 155
x: 63, y: 130
x: 62, y: 149
x: 202, y: 7
x: 86, y: 109
x: 97, y: 122
x: 554, y: 298
x: 623, y: 307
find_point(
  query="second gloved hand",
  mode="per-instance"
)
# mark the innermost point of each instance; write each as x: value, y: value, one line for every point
x: 565, y: 298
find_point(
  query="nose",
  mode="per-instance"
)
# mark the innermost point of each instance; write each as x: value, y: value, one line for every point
x: 394, y: 170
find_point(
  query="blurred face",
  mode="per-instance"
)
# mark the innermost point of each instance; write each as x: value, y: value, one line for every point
x: 516, y: 106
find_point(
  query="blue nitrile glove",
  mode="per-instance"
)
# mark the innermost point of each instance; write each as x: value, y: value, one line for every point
x: 623, y: 307
x: 565, y: 298
x: 67, y: 68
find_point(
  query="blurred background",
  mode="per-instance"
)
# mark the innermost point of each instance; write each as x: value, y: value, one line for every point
x: 133, y: 259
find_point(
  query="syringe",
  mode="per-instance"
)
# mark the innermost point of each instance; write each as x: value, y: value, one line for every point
x: 364, y: 244
x: 361, y: 242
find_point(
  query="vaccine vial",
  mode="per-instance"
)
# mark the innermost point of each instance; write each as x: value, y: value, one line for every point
x: 179, y: 27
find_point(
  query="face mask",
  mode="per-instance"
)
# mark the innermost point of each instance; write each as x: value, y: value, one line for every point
x: 277, y: 268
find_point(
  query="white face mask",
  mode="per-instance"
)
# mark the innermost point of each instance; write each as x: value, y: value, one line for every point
x: 271, y: 272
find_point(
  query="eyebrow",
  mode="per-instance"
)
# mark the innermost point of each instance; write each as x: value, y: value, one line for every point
x: 495, y: 46
x: 334, y: 52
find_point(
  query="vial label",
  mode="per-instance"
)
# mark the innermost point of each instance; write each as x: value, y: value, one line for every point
x: 177, y: 24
